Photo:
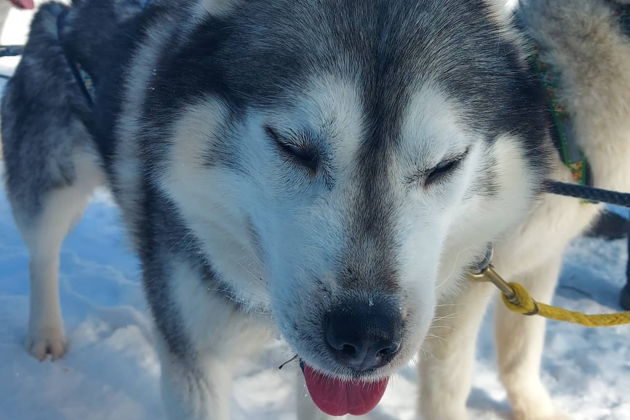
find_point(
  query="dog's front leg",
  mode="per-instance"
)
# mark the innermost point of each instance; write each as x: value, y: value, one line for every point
x: 448, y: 354
x: 201, y: 336
x: 197, y: 388
x: 520, y: 342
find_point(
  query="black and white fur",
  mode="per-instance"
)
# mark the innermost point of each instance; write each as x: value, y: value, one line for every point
x: 585, y: 42
x: 276, y: 160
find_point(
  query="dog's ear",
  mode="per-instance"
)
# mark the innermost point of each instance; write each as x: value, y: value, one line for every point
x: 502, y: 8
x: 219, y: 7
x: 502, y: 12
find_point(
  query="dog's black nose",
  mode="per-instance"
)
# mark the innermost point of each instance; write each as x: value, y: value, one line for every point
x: 364, y: 335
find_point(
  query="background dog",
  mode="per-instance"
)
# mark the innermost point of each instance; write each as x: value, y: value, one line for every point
x: 585, y: 41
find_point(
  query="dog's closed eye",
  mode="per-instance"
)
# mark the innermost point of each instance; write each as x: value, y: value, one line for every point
x: 296, y: 151
x: 443, y: 169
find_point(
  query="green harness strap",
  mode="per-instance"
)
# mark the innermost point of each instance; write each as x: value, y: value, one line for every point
x: 564, y: 136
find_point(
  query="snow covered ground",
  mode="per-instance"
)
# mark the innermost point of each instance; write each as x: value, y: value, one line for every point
x: 111, y: 370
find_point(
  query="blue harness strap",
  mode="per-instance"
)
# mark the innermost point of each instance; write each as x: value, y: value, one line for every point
x: 11, y: 50
x: 624, y: 17
x: 82, y: 78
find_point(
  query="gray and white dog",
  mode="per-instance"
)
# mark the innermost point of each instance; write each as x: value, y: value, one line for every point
x: 326, y: 169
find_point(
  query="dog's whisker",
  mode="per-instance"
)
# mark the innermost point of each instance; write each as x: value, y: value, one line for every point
x: 287, y: 362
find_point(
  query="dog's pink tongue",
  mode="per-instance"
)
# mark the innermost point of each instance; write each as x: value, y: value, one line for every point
x: 338, y: 398
x: 24, y: 4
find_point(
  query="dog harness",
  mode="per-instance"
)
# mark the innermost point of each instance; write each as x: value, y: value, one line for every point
x: 624, y: 17
x: 83, y: 79
x: 563, y: 133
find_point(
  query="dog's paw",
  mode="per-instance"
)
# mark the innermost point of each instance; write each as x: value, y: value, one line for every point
x: 444, y: 414
x: 45, y: 341
x: 532, y: 415
x: 530, y: 399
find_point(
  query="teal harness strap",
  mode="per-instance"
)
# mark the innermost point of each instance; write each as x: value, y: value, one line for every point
x: 564, y: 135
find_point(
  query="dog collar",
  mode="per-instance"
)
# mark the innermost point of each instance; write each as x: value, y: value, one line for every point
x: 482, y: 264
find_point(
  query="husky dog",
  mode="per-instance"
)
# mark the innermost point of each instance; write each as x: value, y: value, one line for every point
x: 584, y: 41
x: 52, y: 164
x: 592, y: 52
x: 325, y: 169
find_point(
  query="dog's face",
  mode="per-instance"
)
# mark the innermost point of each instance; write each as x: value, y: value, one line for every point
x: 342, y: 162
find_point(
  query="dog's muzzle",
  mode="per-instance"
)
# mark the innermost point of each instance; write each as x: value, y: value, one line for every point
x: 363, y: 335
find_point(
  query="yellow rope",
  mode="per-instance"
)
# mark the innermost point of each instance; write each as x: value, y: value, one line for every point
x: 517, y: 299
x: 523, y: 303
